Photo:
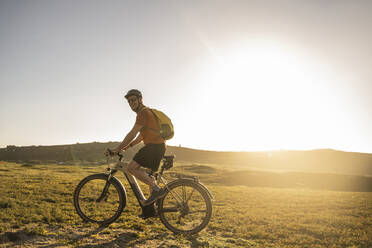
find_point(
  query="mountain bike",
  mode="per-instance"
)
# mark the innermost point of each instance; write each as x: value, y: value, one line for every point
x: 185, y: 208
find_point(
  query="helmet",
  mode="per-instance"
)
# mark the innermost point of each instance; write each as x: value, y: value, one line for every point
x: 133, y: 92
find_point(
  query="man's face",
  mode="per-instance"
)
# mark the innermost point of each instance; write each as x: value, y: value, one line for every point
x: 133, y: 102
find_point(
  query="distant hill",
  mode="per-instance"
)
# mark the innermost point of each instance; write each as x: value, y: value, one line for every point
x: 314, y: 161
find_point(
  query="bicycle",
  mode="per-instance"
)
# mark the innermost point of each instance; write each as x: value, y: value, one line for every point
x: 185, y: 208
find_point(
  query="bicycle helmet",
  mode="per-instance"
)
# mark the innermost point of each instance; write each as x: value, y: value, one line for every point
x: 133, y: 92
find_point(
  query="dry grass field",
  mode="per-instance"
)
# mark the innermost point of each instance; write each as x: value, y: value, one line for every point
x: 36, y: 210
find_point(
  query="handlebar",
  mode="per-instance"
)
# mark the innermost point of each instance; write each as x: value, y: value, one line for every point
x: 111, y: 153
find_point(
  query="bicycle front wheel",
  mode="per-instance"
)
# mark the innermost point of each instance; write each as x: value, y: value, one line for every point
x: 186, y: 208
x: 99, y: 201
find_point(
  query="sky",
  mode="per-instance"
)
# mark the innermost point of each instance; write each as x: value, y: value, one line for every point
x: 232, y: 75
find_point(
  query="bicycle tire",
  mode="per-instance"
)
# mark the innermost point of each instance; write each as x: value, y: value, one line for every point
x: 87, y: 207
x: 167, y: 205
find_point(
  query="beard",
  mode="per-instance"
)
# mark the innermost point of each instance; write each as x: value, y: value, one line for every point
x: 136, y: 109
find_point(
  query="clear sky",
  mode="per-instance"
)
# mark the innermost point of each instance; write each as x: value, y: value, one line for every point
x: 232, y: 75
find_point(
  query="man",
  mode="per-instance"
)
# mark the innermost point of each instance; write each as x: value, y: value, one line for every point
x: 151, y: 154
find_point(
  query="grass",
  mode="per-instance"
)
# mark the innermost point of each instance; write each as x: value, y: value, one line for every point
x: 36, y: 209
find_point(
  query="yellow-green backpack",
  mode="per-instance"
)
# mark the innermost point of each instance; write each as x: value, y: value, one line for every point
x: 165, y: 124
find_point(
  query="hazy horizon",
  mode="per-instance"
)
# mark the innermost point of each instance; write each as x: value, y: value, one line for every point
x: 232, y: 75
x: 201, y: 149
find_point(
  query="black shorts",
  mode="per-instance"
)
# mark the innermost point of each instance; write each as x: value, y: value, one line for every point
x: 150, y: 156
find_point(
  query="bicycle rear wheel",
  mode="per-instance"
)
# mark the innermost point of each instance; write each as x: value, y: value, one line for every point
x: 99, y: 201
x: 186, y: 208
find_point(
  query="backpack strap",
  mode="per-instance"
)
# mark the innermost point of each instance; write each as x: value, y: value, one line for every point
x: 153, y: 129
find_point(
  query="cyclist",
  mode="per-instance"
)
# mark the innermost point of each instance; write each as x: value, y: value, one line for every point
x: 151, y: 154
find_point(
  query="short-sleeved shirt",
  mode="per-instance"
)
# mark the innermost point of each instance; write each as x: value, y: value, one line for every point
x: 150, y: 130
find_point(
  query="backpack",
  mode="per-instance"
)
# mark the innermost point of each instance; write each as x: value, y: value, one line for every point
x: 166, y: 127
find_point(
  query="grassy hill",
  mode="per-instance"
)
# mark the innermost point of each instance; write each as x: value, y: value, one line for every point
x: 314, y: 161
x: 319, y: 198
x: 36, y: 210
x: 316, y: 169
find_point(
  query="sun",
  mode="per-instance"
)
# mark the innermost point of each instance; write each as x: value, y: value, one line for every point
x: 269, y: 93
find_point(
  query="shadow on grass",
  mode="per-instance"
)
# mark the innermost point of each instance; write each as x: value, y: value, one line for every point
x: 92, y: 232
x: 122, y: 239
x: 128, y: 239
x: 195, y: 242
x: 16, y: 237
x: 59, y: 243
x: 133, y: 239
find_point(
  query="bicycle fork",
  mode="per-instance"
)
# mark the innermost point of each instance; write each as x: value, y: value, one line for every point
x: 104, y: 194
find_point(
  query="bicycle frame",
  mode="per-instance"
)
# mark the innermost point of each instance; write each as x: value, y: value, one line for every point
x: 136, y: 187
x: 132, y: 181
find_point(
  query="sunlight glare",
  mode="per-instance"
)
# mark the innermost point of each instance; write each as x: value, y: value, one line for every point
x: 273, y: 97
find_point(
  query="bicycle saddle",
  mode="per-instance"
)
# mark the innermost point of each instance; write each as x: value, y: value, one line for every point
x: 169, y: 157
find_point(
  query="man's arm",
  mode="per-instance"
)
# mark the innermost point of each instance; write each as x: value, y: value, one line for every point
x: 136, y: 141
x: 130, y: 136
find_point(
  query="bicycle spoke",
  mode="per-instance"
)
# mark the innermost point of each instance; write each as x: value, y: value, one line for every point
x: 189, y: 196
x: 169, y: 210
x: 197, y: 211
x: 183, y: 194
x: 176, y: 196
x: 186, y: 208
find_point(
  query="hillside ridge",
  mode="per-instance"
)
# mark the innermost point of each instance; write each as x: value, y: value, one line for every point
x: 320, y: 160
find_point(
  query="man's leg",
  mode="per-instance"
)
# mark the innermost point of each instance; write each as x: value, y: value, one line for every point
x: 135, y: 169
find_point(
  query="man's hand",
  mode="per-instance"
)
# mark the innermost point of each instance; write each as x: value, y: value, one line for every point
x: 109, y: 152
